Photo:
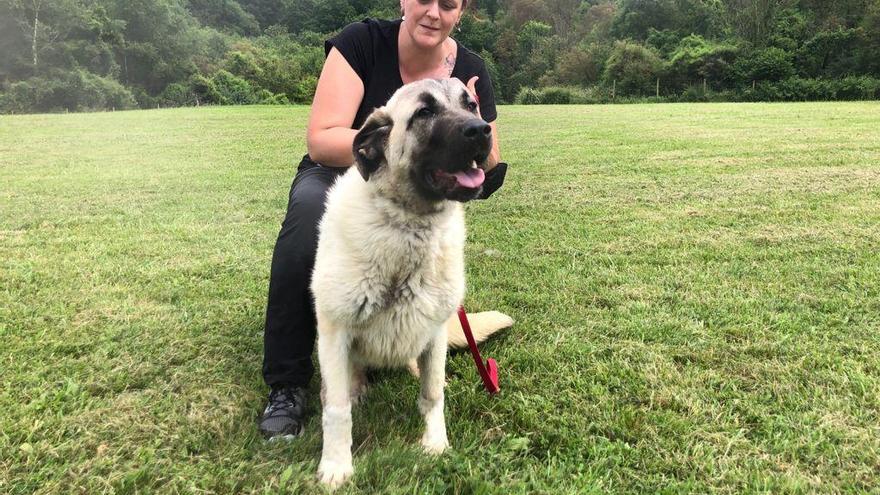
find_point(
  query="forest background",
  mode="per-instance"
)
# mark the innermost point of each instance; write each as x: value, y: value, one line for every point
x: 85, y: 55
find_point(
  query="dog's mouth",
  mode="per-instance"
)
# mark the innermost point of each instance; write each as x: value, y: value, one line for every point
x: 458, y: 183
x: 470, y: 178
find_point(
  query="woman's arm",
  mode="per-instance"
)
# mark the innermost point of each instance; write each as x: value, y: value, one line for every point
x: 495, y: 154
x: 339, y: 93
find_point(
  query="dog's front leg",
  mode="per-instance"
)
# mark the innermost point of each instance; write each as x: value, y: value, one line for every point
x: 336, y: 369
x: 432, y: 364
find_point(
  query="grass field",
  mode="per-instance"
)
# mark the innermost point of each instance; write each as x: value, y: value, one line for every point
x: 696, y: 289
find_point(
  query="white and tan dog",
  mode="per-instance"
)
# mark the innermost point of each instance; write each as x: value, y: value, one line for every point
x: 389, y: 271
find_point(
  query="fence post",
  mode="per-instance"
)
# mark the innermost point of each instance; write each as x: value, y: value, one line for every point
x: 658, y: 87
x: 613, y: 89
x: 704, y: 85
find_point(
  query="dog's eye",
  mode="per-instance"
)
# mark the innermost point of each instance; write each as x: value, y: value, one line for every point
x: 425, y: 112
x: 472, y: 106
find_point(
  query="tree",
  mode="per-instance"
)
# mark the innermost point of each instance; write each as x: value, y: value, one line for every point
x: 870, y: 25
x: 520, y: 12
x: 633, y: 68
x: 635, y: 17
x: 475, y: 33
x: 265, y: 12
x: 834, y: 14
x: 581, y: 65
x: 57, y: 54
x: 41, y: 23
x: 831, y: 53
x: 753, y: 19
x: 226, y: 15
x: 766, y: 64
x: 696, y: 58
x: 321, y: 16
x: 791, y: 29
x: 704, y: 17
x: 595, y: 21
x: 559, y: 14
x: 161, y: 42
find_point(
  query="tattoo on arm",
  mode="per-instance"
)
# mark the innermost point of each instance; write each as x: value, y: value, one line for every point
x: 449, y: 64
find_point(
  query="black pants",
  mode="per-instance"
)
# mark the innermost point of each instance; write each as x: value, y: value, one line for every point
x: 289, y: 335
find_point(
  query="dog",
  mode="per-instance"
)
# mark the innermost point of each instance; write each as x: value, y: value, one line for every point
x: 389, y: 269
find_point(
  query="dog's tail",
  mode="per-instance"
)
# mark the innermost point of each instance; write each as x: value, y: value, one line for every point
x: 483, y: 325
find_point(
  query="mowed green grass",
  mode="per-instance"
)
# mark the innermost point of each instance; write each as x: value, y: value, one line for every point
x: 695, y: 289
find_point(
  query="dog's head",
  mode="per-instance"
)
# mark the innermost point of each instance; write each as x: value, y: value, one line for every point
x: 426, y: 143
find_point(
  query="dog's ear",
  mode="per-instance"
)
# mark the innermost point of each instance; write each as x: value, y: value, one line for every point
x: 370, y: 141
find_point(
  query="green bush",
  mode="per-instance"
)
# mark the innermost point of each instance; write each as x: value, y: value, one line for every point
x: 143, y: 99
x: 266, y: 97
x: 233, y: 90
x: 800, y: 89
x: 204, y: 90
x: 696, y: 58
x: 76, y: 90
x: 104, y: 93
x: 560, y: 95
x: 305, y: 89
x: 177, y: 95
x: 857, y: 88
x: 791, y: 89
x: 26, y: 96
x: 581, y: 65
x: 243, y: 65
x: 556, y: 96
x: 795, y: 88
x: 694, y: 93
x: 634, y: 69
x: 527, y: 96
x: 769, y: 64
x: 278, y: 62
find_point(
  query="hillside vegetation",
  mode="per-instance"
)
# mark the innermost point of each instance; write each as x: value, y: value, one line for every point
x: 70, y: 55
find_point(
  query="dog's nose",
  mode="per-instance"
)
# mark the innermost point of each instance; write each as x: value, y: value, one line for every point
x: 476, y: 129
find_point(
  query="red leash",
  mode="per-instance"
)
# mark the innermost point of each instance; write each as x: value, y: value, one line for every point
x: 488, y: 371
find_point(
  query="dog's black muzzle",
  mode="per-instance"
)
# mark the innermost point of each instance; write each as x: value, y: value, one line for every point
x: 477, y: 132
x: 454, y: 158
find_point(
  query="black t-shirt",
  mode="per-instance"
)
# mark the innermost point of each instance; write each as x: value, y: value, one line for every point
x: 370, y: 47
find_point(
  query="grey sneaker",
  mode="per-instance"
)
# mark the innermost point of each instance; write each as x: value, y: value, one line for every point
x: 284, y: 415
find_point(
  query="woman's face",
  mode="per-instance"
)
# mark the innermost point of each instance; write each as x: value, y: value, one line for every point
x: 429, y: 22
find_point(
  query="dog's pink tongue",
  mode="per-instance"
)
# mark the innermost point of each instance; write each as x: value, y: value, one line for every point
x: 471, y: 178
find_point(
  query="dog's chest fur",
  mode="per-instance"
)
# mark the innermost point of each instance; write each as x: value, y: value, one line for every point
x: 390, y: 279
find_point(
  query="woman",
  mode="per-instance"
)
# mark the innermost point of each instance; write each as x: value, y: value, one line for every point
x: 365, y: 64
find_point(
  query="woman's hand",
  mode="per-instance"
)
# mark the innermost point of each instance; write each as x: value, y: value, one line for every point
x: 472, y: 87
x: 495, y: 154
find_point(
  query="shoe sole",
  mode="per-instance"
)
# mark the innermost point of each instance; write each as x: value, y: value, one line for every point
x: 286, y: 438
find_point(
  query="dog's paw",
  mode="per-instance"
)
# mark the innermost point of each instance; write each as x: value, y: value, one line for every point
x: 413, y: 367
x: 358, y: 389
x: 357, y: 394
x: 434, y: 444
x: 334, y: 474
